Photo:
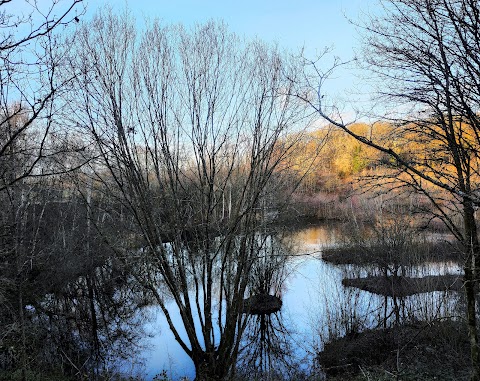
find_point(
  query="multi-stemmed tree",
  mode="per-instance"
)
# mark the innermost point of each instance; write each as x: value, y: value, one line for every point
x: 191, y: 128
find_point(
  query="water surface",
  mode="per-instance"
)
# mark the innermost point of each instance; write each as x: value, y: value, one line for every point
x: 316, y: 307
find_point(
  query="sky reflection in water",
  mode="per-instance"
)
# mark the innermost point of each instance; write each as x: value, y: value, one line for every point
x: 315, y: 304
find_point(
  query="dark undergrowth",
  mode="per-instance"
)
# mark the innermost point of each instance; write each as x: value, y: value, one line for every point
x: 375, y: 254
x: 420, y: 351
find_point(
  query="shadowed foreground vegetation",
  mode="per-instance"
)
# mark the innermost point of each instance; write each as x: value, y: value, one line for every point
x: 419, y: 351
x: 439, y: 251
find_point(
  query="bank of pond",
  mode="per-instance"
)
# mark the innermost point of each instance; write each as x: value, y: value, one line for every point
x: 421, y: 334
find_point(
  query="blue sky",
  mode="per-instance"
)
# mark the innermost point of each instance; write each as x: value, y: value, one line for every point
x: 292, y: 24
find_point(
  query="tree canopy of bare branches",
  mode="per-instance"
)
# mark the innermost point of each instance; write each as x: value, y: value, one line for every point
x: 31, y: 52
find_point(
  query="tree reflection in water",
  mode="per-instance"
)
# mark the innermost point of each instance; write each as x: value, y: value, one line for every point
x: 268, y: 347
x: 267, y: 350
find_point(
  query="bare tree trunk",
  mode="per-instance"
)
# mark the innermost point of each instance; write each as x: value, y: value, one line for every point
x: 23, y: 355
x: 469, y: 284
x: 472, y: 251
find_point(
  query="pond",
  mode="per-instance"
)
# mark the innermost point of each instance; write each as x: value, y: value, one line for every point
x: 316, y: 306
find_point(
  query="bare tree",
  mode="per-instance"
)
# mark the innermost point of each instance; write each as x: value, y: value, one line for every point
x: 425, y: 54
x: 31, y: 53
x: 191, y: 127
